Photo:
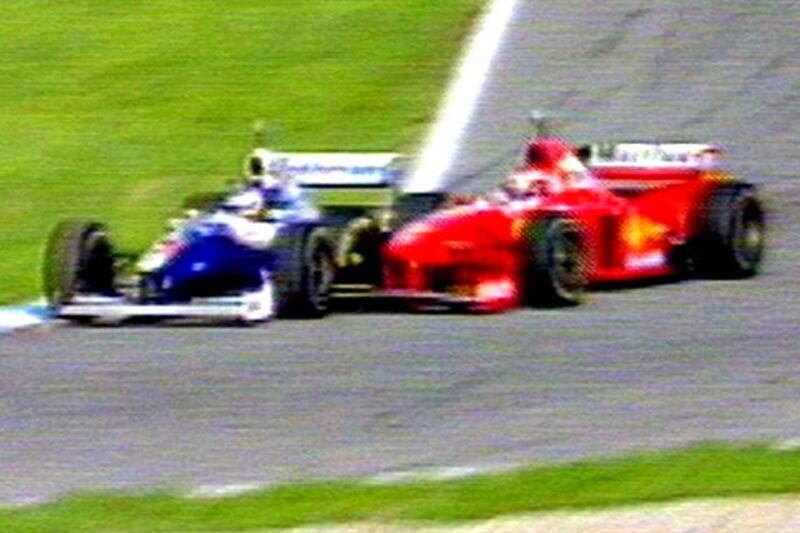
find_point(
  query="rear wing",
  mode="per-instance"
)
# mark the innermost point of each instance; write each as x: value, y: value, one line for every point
x: 633, y: 167
x: 682, y: 155
x: 340, y: 179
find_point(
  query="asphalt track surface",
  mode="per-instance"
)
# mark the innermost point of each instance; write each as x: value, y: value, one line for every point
x: 363, y: 394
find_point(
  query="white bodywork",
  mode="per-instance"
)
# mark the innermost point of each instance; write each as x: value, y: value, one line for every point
x: 257, y: 306
x: 309, y: 169
x: 655, y: 155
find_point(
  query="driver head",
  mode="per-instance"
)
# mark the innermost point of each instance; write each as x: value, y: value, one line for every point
x: 248, y: 204
x: 547, y: 154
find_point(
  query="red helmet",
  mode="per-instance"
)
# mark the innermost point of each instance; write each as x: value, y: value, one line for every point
x: 546, y: 154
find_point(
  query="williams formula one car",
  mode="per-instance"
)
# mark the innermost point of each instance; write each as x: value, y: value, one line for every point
x: 275, y: 246
x: 601, y: 214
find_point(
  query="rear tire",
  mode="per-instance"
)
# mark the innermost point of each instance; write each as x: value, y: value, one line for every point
x: 303, y: 284
x: 556, y: 274
x: 730, y: 241
x: 78, y: 259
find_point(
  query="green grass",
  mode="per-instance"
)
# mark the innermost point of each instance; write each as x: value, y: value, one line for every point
x: 698, y: 472
x: 116, y: 109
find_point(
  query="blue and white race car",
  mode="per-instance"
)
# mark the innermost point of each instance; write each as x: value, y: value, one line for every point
x: 273, y: 247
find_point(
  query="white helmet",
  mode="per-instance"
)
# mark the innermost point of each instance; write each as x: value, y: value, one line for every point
x: 247, y: 204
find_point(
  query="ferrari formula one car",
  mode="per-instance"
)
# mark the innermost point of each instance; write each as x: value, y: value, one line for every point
x: 250, y: 255
x: 614, y: 213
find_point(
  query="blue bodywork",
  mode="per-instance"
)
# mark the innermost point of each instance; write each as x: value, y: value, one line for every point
x: 207, y: 259
x: 207, y: 266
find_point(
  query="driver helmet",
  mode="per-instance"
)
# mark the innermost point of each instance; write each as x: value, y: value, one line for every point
x: 557, y: 159
x: 248, y: 204
x: 547, y: 154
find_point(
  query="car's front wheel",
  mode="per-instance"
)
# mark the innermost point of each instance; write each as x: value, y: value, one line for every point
x: 556, y: 275
x: 79, y: 258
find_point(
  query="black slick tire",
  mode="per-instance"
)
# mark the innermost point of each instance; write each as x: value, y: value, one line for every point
x: 731, y: 234
x: 78, y: 259
x: 556, y: 275
x: 303, y: 282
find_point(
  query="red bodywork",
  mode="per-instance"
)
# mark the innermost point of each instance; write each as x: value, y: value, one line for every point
x: 633, y: 222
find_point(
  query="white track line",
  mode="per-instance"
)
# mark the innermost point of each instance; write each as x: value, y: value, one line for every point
x: 788, y: 445
x: 224, y: 491
x: 431, y: 474
x: 400, y: 477
x: 444, y: 138
x: 12, y: 318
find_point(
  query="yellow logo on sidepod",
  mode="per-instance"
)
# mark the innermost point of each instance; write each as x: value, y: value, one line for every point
x: 638, y: 231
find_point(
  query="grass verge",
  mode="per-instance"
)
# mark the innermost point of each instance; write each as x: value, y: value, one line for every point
x: 697, y: 472
x: 118, y: 110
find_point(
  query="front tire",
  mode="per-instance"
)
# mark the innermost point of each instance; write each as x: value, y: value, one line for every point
x: 78, y: 259
x: 556, y: 274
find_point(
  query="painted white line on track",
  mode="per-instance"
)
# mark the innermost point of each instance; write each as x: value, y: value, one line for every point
x: 387, y: 478
x: 398, y: 477
x: 435, y: 474
x: 788, y: 445
x: 459, y: 103
x: 12, y: 318
x: 223, y: 491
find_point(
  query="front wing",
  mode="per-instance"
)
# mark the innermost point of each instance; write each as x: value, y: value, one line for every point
x: 250, y: 307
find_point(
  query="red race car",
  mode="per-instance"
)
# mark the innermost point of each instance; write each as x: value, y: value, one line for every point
x: 568, y: 219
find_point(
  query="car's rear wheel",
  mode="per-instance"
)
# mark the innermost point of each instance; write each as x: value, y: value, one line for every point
x: 731, y: 236
x: 79, y: 258
x: 556, y: 274
x: 303, y: 282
